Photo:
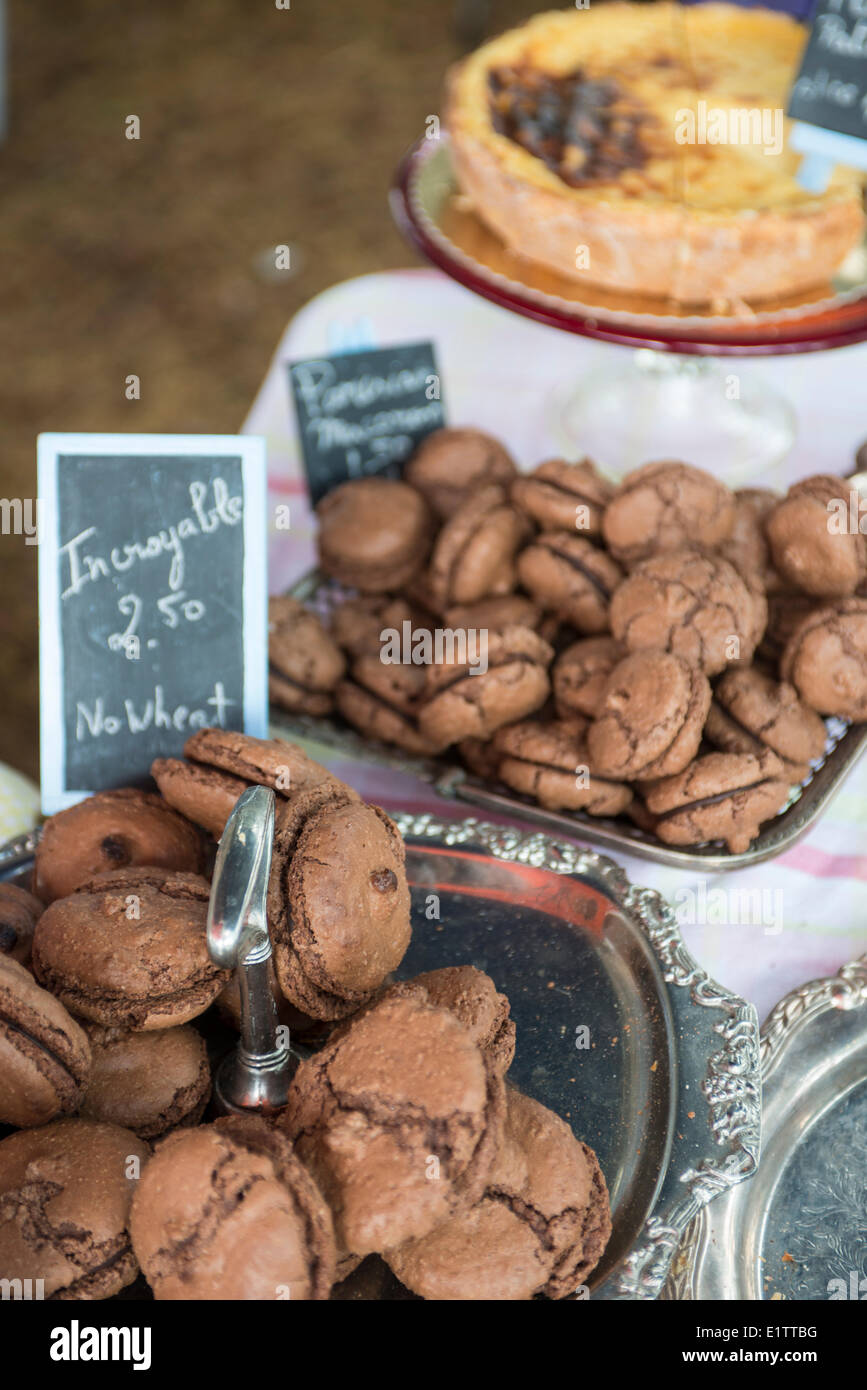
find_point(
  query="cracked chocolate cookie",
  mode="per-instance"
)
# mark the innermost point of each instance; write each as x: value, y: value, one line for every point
x: 399, y: 1119
x: 65, y: 1194
x: 540, y: 1228
x: 461, y: 705
x: 472, y: 997
x: 112, y: 830
x: 338, y: 903
x: 720, y: 796
x: 550, y: 761
x: 579, y: 674
x: 129, y: 949
x: 650, y: 717
x: 751, y: 711
x: 811, y: 542
x: 692, y: 604
x: 44, y: 1054
x: 451, y: 463
x: 147, y: 1082
x: 19, y: 913
x: 474, y: 554
x: 305, y: 662
x: 666, y: 506
x: 572, y: 577
x: 374, y: 534
x: 226, y: 1211
x: 826, y: 659
x: 561, y: 496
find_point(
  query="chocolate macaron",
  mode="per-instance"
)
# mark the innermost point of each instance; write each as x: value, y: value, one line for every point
x: 463, y: 702
x: 579, y: 674
x: 812, y: 544
x: 112, y: 830
x: 474, y: 554
x: 45, y: 1057
x: 19, y: 913
x: 747, y: 547
x: 562, y: 496
x: 449, y: 464
x: 693, y: 604
x: 751, y: 711
x: 338, y: 903
x: 540, y: 1227
x: 226, y: 1211
x: 219, y: 764
x: 381, y: 700
x: 550, y: 761
x: 399, y: 1118
x: 786, y: 611
x: 129, y: 949
x: 472, y: 997
x: 826, y: 659
x: 65, y: 1195
x: 374, y: 534
x: 305, y: 663
x: 357, y: 624
x: 720, y: 796
x: 650, y: 717
x: 493, y: 614
x: 572, y: 577
x: 147, y: 1082
x: 666, y: 506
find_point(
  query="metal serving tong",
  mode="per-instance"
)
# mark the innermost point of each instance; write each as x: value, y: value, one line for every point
x: 256, y: 1075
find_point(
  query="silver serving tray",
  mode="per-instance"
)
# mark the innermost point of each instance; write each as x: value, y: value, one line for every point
x: 801, y: 1224
x: 846, y: 743
x: 668, y: 1093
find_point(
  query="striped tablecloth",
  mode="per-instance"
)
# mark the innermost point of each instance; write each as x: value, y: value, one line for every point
x: 505, y: 374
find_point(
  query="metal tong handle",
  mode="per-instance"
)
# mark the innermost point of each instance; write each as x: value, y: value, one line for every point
x: 256, y: 1076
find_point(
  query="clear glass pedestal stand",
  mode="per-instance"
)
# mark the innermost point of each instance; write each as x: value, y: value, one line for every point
x: 663, y: 405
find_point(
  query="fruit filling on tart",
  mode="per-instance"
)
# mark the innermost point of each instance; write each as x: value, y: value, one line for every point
x: 584, y: 130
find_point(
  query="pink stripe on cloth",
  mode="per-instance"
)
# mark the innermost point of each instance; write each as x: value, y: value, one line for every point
x: 819, y: 864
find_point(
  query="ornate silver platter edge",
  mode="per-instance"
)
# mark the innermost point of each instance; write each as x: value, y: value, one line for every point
x: 835, y: 1009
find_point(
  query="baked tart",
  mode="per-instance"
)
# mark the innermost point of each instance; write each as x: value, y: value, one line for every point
x: 644, y: 148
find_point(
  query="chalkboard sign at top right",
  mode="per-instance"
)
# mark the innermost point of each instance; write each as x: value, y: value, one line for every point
x: 830, y: 90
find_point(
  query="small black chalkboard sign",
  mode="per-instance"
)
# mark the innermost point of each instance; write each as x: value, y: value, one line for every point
x: 152, y: 601
x: 830, y: 90
x: 364, y: 412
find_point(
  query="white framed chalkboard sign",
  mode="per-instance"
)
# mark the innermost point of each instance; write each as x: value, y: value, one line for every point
x: 153, y: 600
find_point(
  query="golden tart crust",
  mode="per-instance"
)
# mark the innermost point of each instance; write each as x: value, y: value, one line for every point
x: 696, y: 222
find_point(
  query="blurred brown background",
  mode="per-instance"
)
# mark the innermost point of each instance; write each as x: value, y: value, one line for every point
x: 259, y: 126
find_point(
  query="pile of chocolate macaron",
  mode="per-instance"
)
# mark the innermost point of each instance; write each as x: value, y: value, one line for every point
x: 401, y: 1138
x: 664, y: 650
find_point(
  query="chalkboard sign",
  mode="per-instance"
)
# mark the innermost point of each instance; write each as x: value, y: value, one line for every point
x: 152, y: 601
x: 830, y: 90
x: 364, y: 412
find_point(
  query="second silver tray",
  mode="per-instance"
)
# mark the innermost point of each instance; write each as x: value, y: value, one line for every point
x: 798, y: 1231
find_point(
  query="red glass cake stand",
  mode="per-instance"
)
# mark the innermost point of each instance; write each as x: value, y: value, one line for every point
x: 671, y: 398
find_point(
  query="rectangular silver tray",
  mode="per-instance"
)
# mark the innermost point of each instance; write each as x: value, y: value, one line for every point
x: 846, y: 744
